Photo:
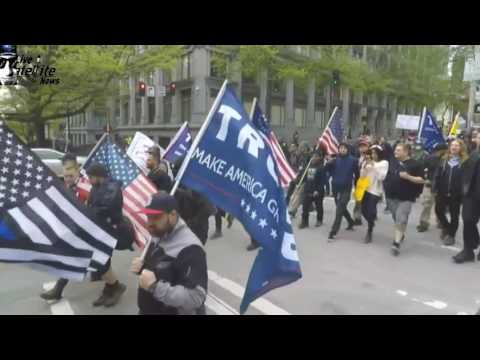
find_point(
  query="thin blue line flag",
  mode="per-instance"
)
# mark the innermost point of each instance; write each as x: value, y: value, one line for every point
x: 235, y: 169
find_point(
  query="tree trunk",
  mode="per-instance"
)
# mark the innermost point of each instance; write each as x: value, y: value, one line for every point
x: 40, y: 134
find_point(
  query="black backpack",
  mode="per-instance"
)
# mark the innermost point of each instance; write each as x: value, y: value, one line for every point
x: 125, y: 235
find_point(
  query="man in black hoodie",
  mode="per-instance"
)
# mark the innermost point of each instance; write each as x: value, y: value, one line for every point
x: 471, y: 207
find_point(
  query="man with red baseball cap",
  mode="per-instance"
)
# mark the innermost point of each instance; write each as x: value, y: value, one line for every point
x: 173, y: 276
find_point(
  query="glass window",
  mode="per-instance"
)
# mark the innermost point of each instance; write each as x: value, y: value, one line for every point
x: 277, y: 116
x: 167, y: 109
x: 151, y: 110
x: 186, y: 104
x: 46, y: 154
x: 300, y: 117
x: 212, y: 97
x: 138, y: 109
x: 186, y: 67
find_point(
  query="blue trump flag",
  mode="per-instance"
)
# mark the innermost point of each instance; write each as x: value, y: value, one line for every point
x: 233, y: 166
x: 430, y: 134
x: 179, y: 145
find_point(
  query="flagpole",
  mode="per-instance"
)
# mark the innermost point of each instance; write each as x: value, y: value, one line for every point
x: 254, y: 103
x: 311, y: 158
x: 94, y: 148
x: 420, y: 129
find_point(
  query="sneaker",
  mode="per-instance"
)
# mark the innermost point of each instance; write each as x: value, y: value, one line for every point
x: 303, y: 225
x: 216, y: 235
x: 350, y: 227
x: 368, y: 238
x: 114, y: 295
x: 253, y: 246
x: 318, y: 223
x: 463, y: 256
x: 331, y: 236
x: 357, y: 222
x: 395, y: 249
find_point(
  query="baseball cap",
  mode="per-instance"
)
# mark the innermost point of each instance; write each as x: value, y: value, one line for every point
x: 160, y: 203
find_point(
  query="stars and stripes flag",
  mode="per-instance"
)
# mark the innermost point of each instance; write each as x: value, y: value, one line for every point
x: 333, y: 134
x: 287, y: 174
x: 137, y: 189
x: 179, y: 145
x: 41, y: 223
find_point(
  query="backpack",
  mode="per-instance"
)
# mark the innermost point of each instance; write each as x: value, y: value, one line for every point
x: 125, y: 235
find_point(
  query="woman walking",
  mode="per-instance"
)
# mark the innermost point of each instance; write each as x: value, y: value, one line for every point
x: 375, y: 168
x: 447, y: 186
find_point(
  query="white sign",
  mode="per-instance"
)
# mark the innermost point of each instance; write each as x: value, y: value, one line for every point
x: 407, y: 122
x: 138, y: 150
x: 162, y: 91
x: 151, y: 91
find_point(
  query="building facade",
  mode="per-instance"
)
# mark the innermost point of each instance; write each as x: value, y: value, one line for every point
x: 288, y: 107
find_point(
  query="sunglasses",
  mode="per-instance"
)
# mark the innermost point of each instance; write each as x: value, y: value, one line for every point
x: 3, y: 61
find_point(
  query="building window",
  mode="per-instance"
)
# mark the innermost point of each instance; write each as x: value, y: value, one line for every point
x: 150, y: 79
x: 277, y: 116
x: 186, y: 67
x: 126, y: 112
x: 300, y: 117
x: 186, y: 105
x: 151, y: 110
x: 138, y: 110
x: 167, y: 109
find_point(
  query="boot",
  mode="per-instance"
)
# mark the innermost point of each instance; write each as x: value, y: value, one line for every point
x: 422, y: 227
x: 464, y: 256
x: 56, y: 292
x: 448, y: 240
x: 103, y: 297
x: 331, y: 237
x: 318, y: 223
x: 368, y: 237
x: 216, y: 235
x: 350, y: 227
x: 357, y: 222
x: 303, y: 224
x: 113, y: 296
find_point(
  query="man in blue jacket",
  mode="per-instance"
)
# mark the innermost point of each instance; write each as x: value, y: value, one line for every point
x: 344, y: 170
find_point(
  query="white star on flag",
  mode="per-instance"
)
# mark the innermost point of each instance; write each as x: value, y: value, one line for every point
x: 12, y: 199
x: 4, y: 170
x: 29, y: 166
x: 14, y: 191
x: 38, y: 186
x: 19, y: 154
x: 39, y: 169
x: 28, y: 174
x: 25, y: 194
x: 9, y: 135
x: 26, y: 184
x: 242, y: 203
x: 273, y: 233
x: 8, y: 151
x: 49, y: 178
x: 29, y: 158
x: 2, y: 196
x: 262, y: 223
x: 247, y: 209
x: 17, y: 162
x: 16, y: 172
x: 15, y: 182
x: 6, y: 160
x: 254, y: 215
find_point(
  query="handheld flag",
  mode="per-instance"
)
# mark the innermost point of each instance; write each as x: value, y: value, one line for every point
x: 234, y: 168
x: 455, y: 126
x: 333, y: 134
x: 136, y: 187
x: 430, y: 134
x: 179, y: 145
x: 287, y: 174
x: 41, y: 223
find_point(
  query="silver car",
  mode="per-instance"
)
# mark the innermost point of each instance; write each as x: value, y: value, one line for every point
x: 53, y: 159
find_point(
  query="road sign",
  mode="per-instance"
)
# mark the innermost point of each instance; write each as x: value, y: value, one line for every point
x: 162, y: 91
x: 151, y: 91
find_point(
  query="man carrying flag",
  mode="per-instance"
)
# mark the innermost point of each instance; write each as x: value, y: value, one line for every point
x: 179, y: 145
x: 231, y: 164
x: 41, y: 223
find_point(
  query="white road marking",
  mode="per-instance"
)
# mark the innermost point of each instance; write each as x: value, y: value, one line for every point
x: 402, y: 293
x: 436, y: 304
x: 61, y: 307
x: 462, y: 313
x: 453, y: 248
x: 218, y: 306
x: 262, y: 305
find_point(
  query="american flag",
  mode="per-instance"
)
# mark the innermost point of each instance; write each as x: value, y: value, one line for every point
x: 137, y: 189
x: 333, y: 134
x: 41, y: 223
x: 287, y: 174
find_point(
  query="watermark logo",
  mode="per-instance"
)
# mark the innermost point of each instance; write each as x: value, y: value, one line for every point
x: 16, y: 69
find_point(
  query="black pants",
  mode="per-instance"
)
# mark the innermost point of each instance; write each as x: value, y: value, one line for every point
x: 327, y: 187
x: 442, y: 203
x: 369, y: 209
x: 341, y: 200
x: 470, y: 215
x: 218, y: 222
x: 307, y: 203
x: 290, y: 191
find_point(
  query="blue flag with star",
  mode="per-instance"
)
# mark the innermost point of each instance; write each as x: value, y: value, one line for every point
x: 234, y: 167
x: 430, y: 134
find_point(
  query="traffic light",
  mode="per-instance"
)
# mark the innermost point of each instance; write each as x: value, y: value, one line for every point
x: 336, y: 77
x: 476, y: 109
x: 141, y: 88
x: 171, y: 88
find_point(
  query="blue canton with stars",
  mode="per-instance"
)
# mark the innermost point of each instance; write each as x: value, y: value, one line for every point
x: 118, y: 164
x: 235, y: 169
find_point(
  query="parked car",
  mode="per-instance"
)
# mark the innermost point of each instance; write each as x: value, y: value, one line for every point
x: 53, y: 159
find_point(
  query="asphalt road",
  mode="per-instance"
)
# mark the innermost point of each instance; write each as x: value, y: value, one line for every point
x: 341, y: 278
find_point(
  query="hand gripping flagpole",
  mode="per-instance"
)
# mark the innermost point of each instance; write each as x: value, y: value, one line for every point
x: 192, y: 149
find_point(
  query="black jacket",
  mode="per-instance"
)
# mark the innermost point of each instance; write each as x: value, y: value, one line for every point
x: 471, y: 176
x: 431, y: 164
x: 315, y: 179
x: 106, y: 200
x: 161, y: 179
x: 447, y: 181
x: 401, y: 189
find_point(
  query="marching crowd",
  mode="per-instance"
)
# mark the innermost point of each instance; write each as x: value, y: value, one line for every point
x: 173, y: 273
